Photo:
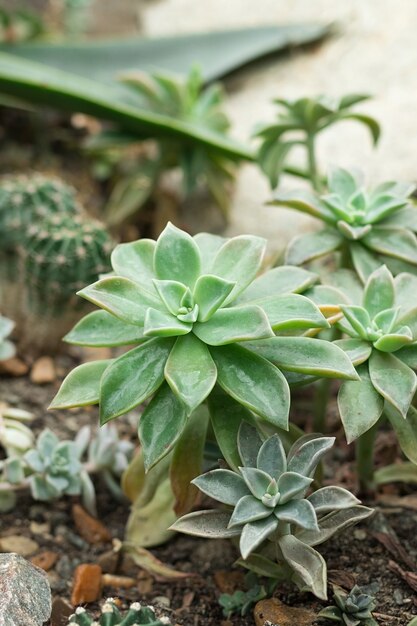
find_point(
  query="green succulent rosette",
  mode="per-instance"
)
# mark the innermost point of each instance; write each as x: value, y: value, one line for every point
x: 368, y: 227
x: 351, y: 609
x: 192, y: 305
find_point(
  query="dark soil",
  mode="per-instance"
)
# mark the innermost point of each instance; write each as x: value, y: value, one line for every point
x: 194, y: 602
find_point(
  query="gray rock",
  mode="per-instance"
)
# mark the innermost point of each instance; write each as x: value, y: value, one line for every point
x: 25, y: 595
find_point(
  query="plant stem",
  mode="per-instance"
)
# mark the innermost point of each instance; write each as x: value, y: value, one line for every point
x: 312, y: 162
x: 320, y: 405
x: 365, y: 459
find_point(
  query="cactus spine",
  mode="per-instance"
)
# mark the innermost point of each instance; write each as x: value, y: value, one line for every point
x: 136, y: 615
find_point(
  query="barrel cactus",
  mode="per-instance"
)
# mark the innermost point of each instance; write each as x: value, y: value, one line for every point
x: 136, y: 615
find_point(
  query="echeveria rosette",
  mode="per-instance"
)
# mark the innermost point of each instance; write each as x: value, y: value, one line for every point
x: 192, y: 305
x: 368, y: 228
x: 351, y: 609
x: 269, y: 499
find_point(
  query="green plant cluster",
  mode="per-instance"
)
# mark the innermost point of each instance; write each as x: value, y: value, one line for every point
x: 17, y: 26
x: 136, y: 615
x: 351, y: 609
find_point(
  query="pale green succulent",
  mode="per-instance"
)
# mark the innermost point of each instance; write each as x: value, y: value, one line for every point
x: 367, y: 227
x: 136, y: 615
x: 192, y: 305
x: 272, y: 513
x: 7, y: 349
x: 351, y: 609
x: 15, y: 437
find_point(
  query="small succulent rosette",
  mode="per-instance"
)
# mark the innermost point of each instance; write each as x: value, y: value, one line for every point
x: 273, y: 516
x: 352, y: 608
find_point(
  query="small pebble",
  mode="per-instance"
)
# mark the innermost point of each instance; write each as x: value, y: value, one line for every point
x: 87, y: 584
x: 360, y: 534
x: 43, y: 371
x: 19, y: 545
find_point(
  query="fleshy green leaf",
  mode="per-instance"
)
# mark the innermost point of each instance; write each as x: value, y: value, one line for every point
x: 100, y: 328
x: 163, y: 324
x: 177, y: 256
x: 161, y: 425
x: 209, y: 524
x: 231, y: 325
x: 395, y: 242
x: 121, y: 297
x: 248, y: 509
x: 254, y: 382
x: 363, y: 260
x: 360, y: 405
x: 333, y: 523
x: 135, y: 261
x: 306, y: 356
x: 358, y: 318
x: 379, y: 292
x: 82, y: 386
x: 306, y: 202
x: 408, y: 355
x: 279, y: 281
x: 133, y: 377
x: 305, y: 248
x: 291, y: 485
x: 249, y: 443
x: 255, y: 533
x: 222, y: 485
x: 394, y: 380
x: 395, y: 340
x: 299, y: 512
x: 226, y: 430
x: 405, y: 429
x: 209, y: 245
x: 307, y: 563
x: 331, y: 499
x: 239, y: 260
x: 307, y: 453
x: 342, y: 182
x: 292, y: 311
x: 171, y: 293
x: 257, y: 480
x: 357, y: 350
x: 209, y: 293
x: 190, y: 371
x: 272, y: 458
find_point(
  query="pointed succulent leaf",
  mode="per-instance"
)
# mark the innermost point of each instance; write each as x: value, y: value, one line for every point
x: 121, y: 297
x: 358, y: 318
x: 357, y: 350
x: 226, y: 430
x: 231, y: 325
x: 405, y: 429
x: 292, y: 485
x: 279, y: 281
x: 333, y: 523
x: 363, y: 261
x: 262, y: 566
x: 161, y: 425
x: 171, y: 293
x: 46, y: 444
x: 408, y: 355
x: 331, y: 613
x: 239, y: 260
x: 395, y: 340
x: 163, y: 324
x: 248, y: 509
x: 360, y: 405
x: 402, y: 218
x: 306, y: 202
x: 307, y: 453
x: 379, y: 292
x: 292, y: 311
x: 396, y: 242
x: 406, y: 291
x: 135, y: 261
x: 210, y: 524
x: 82, y: 386
x: 133, y: 377
x: 386, y: 319
x: 256, y: 480
x: 342, y: 182
x: 393, y: 379
x: 353, y: 232
x: 272, y: 458
x: 190, y: 371
x: 383, y: 207
x: 222, y: 485
x: 249, y: 443
x: 253, y: 381
x: 332, y: 498
x: 305, y: 248
x: 298, y: 512
x: 210, y: 292
x: 255, y: 533
x: 307, y: 563
x: 101, y: 329
x: 177, y: 256
x: 209, y: 245
x: 306, y: 356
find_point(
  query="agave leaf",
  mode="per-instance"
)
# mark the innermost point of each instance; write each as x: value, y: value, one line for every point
x: 135, y: 261
x: 393, y: 379
x: 405, y: 429
x: 82, y: 386
x: 253, y: 381
x: 209, y: 293
x: 190, y: 371
x: 222, y: 485
x: 187, y: 461
x: 360, y: 405
x: 161, y: 425
x: 379, y: 293
x: 226, y: 430
x: 272, y: 458
x: 332, y: 498
x: 307, y: 563
x: 248, y: 509
x: 305, y: 248
x: 99, y: 328
x: 255, y: 533
x: 334, y: 523
x: 210, y: 524
x: 231, y: 325
x: 133, y: 377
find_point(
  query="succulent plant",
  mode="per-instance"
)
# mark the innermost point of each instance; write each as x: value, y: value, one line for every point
x: 299, y: 122
x: 15, y: 437
x: 7, y: 349
x: 269, y: 497
x: 17, y: 26
x: 368, y: 228
x: 241, y: 601
x: 192, y: 305
x: 136, y: 615
x: 352, y: 609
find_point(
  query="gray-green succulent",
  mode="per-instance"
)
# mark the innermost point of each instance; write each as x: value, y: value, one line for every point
x: 367, y: 227
x: 15, y: 437
x: 111, y: 615
x: 351, y: 609
x: 7, y: 349
x: 275, y: 517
